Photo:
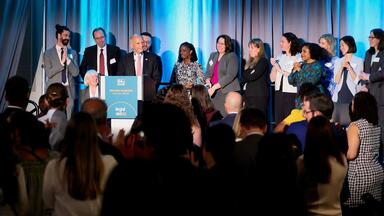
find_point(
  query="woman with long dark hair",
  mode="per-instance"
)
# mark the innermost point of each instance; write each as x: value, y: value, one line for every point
x: 365, y: 173
x: 74, y: 183
x: 322, y: 169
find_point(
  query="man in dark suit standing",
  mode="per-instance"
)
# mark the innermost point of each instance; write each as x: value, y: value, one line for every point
x: 101, y: 57
x: 140, y: 63
x: 61, y: 66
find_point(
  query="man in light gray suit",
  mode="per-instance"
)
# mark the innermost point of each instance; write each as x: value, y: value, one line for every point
x: 60, y: 64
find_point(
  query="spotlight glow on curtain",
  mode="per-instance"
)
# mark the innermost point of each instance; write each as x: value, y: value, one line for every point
x: 361, y: 18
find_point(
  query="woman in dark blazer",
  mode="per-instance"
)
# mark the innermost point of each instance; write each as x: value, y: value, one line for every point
x: 373, y: 74
x: 221, y: 74
x: 254, y: 80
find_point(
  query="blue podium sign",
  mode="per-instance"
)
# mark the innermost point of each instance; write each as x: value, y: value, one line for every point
x: 121, y: 96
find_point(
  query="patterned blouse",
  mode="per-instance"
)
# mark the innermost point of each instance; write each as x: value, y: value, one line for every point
x: 309, y: 73
x: 188, y: 73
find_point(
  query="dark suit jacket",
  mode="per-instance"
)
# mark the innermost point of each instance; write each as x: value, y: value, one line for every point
x: 255, y: 78
x: 151, y: 72
x: 90, y: 60
x: 109, y: 149
x: 376, y: 78
x: 228, y: 120
x: 245, y: 154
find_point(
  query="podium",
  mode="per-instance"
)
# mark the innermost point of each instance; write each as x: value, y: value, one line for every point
x: 122, y: 94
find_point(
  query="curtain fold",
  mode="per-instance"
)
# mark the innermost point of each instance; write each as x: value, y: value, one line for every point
x: 14, y: 18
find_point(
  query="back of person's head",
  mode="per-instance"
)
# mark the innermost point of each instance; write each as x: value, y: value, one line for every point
x: 320, y: 144
x: 323, y: 104
x: 17, y: 91
x: 27, y: 131
x: 57, y: 96
x: 253, y: 118
x: 307, y: 91
x: 276, y: 172
x: 168, y: 130
x: 220, y: 143
x: 43, y: 104
x: 97, y: 108
x: 200, y: 93
x: 364, y: 106
x: 84, y: 167
x: 178, y: 96
x: 160, y: 96
x: 233, y: 102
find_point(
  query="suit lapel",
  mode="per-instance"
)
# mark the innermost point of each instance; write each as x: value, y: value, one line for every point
x: 93, y: 56
x: 146, y: 63
x: 131, y: 63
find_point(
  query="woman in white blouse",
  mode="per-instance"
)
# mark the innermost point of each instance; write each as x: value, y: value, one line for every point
x: 346, y: 76
x: 282, y: 66
x: 74, y: 183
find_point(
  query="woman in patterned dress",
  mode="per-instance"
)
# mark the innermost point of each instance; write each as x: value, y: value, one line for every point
x: 187, y: 71
x: 310, y: 70
x: 365, y: 173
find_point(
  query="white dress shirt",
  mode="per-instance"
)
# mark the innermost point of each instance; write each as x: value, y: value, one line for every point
x: 136, y: 56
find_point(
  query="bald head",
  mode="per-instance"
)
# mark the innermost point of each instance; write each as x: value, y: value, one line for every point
x: 97, y: 108
x: 233, y: 102
x: 136, y: 43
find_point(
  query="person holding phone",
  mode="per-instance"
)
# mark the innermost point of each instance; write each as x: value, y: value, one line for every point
x: 285, y: 93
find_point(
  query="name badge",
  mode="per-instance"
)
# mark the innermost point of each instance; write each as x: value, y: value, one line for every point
x: 377, y: 59
x: 328, y: 65
x: 210, y: 63
x: 112, y: 61
x: 70, y: 55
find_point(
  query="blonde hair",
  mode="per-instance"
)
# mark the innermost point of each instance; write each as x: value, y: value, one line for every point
x: 332, y: 43
x: 253, y: 61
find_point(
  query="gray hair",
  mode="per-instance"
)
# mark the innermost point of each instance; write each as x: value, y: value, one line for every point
x: 331, y: 41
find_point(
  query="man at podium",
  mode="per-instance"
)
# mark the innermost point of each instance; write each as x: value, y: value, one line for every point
x: 141, y: 64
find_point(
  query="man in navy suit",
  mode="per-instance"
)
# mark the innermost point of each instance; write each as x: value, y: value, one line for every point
x: 140, y: 63
x: 101, y: 57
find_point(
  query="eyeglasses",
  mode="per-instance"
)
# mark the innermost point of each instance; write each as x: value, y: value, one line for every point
x: 371, y: 37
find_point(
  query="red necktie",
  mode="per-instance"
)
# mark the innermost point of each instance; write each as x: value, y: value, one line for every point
x: 101, y: 61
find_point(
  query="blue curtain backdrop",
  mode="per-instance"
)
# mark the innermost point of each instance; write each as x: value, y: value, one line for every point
x: 175, y: 21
